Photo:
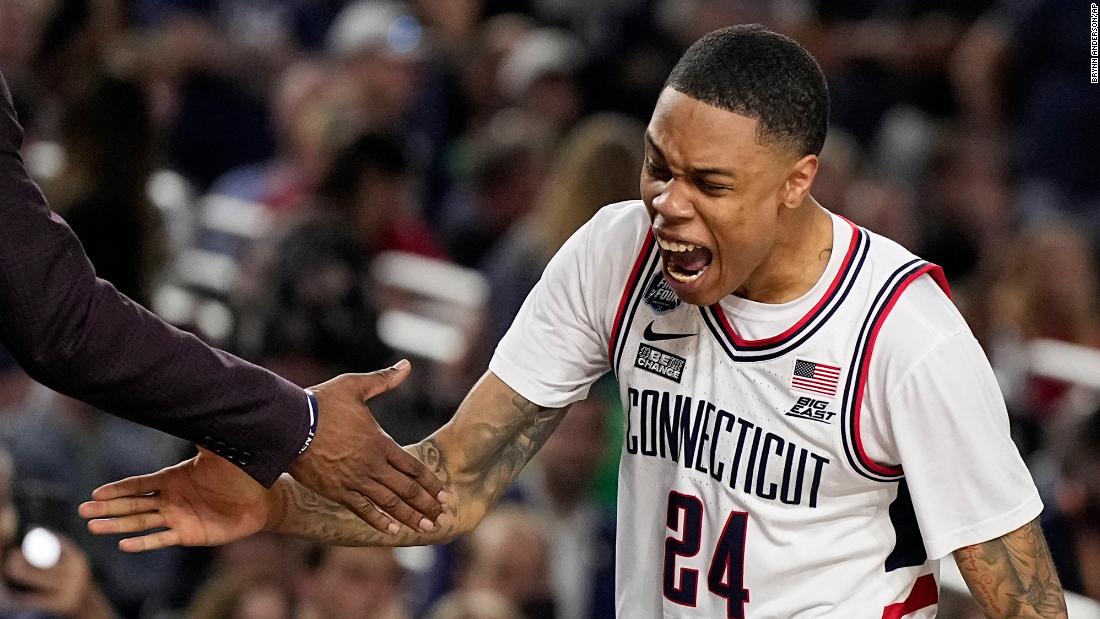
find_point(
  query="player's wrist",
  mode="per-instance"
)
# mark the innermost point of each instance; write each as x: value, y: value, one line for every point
x: 276, y: 505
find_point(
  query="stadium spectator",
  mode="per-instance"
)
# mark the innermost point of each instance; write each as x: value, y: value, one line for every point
x: 67, y: 589
x: 223, y: 579
x: 21, y: 22
x: 70, y: 448
x: 1014, y: 72
x: 352, y: 583
x: 580, y: 529
x: 208, y: 96
x: 1078, y: 503
x: 496, y: 37
x: 370, y: 191
x: 539, y: 76
x: 503, y: 168
x: 302, y: 121
x: 474, y: 605
x: 313, y: 314
x: 1049, y: 287
x: 379, y: 47
x: 511, y: 557
x: 108, y: 141
x: 596, y: 165
x: 231, y: 596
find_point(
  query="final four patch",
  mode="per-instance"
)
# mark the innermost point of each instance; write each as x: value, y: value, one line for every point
x: 659, y: 362
x: 660, y: 296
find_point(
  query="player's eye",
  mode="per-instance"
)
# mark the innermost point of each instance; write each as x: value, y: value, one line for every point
x: 656, y: 171
x: 714, y: 189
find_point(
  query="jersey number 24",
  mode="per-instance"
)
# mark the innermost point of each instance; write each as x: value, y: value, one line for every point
x: 725, y: 578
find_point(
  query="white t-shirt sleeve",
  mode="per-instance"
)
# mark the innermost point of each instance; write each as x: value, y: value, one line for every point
x: 949, y: 426
x: 557, y: 345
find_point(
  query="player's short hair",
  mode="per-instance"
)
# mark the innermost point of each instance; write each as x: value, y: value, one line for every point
x: 754, y: 72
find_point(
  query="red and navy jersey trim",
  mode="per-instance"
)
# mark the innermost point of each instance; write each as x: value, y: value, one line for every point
x: 924, y: 593
x: 741, y: 349
x: 856, y: 381
x: 633, y: 292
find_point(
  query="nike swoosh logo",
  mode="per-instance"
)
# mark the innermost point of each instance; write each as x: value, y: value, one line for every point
x: 652, y: 336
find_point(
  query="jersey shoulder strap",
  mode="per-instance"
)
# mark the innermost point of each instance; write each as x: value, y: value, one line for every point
x: 895, y: 269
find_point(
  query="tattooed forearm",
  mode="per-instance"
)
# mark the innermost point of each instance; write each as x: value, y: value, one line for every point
x: 301, y: 512
x: 477, y: 455
x: 431, y: 454
x: 309, y: 515
x: 1013, y: 575
x: 493, y: 451
x: 516, y: 443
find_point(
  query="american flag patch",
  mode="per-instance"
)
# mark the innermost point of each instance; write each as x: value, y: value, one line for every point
x: 815, y: 377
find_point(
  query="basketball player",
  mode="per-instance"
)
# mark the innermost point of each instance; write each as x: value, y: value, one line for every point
x: 810, y: 425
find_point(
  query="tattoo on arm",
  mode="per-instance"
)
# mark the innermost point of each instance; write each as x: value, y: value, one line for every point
x: 518, y: 442
x: 1013, y: 575
x: 431, y: 454
x: 304, y: 513
x: 493, y: 455
x: 307, y: 514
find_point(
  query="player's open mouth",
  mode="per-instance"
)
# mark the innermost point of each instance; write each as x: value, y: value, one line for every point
x: 684, y: 262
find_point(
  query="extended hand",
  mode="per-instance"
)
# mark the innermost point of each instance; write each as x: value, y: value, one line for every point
x: 204, y: 501
x: 353, y: 462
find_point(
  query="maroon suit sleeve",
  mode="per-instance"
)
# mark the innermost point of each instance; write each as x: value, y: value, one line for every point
x: 76, y: 334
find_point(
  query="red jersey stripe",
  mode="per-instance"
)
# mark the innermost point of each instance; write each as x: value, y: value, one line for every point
x: 924, y: 594
x: 631, y: 283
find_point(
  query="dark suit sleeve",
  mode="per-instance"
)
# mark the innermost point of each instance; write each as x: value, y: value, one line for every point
x: 76, y: 334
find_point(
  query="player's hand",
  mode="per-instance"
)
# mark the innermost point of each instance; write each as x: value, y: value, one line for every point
x: 204, y: 501
x: 353, y: 462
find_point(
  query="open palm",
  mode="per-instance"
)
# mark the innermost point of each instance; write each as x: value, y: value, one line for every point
x: 204, y: 501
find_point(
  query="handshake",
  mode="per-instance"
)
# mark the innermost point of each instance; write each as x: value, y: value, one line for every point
x: 352, y: 467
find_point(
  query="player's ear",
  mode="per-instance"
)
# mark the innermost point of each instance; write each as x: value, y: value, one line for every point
x: 799, y: 180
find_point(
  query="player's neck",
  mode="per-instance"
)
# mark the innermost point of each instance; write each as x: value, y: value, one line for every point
x: 800, y: 256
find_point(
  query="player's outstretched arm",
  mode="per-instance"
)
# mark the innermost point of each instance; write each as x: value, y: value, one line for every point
x: 1013, y: 575
x: 206, y: 501
x: 477, y: 454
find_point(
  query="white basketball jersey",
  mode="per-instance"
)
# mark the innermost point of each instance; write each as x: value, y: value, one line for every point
x: 801, y: 466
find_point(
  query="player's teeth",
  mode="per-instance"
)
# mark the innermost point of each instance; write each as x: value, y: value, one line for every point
x: 681, y: 277
x: 675, y: 245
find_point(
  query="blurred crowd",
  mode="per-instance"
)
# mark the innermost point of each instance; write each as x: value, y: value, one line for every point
x: 324, y: 186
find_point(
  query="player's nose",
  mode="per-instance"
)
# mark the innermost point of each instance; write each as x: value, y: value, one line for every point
x: 673, y: 204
